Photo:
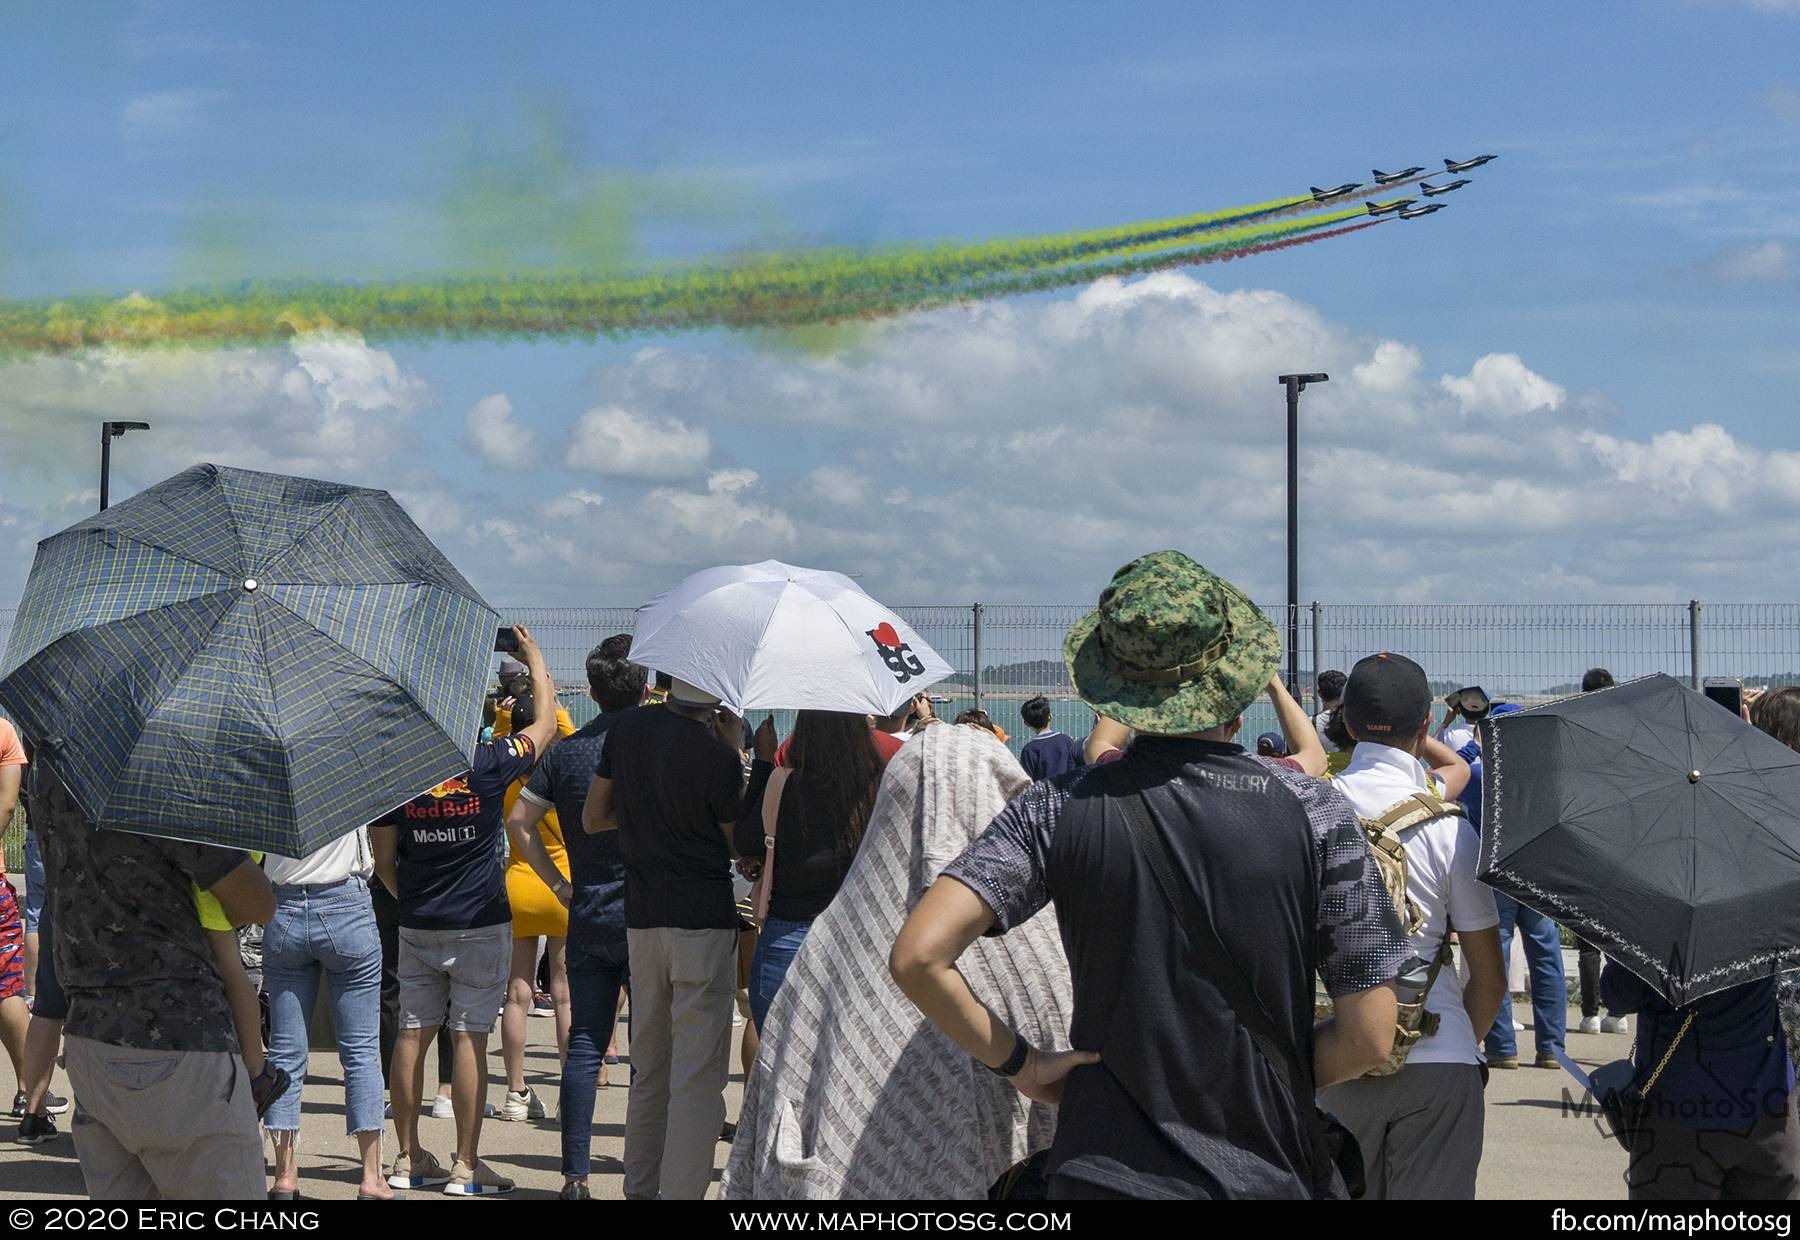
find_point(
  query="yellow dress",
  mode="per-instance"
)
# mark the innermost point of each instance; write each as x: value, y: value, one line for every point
x: 535, y: 908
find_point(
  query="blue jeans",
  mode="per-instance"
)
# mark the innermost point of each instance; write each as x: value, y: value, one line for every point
x: 596, y: 975
x: 1549, y: 989
x: 777, y: 943
x: 34, y: 883
x: 327, y: 929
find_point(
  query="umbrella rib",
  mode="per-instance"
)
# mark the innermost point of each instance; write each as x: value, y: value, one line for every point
x: 130, y: 536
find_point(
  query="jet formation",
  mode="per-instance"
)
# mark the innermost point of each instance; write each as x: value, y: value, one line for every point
x: 1403, y: 208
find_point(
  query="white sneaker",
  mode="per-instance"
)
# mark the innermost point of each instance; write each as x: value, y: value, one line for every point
x: 441, y: 1108
x: 1590, y: 1024
x: 1615, y: 1024
x: 1518, y: 1028
x: 521, y: 1106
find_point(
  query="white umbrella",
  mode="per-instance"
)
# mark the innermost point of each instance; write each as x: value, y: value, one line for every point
x: 771, y: 636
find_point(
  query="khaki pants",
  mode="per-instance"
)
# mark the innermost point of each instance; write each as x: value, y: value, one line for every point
x: 682, y: 985
x: 164, y: 1124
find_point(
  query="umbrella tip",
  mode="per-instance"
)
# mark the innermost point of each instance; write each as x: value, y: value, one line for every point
x: 1693, y: 777
x: 250, y: 585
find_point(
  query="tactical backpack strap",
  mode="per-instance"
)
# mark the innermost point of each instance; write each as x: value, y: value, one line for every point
x: 1412, y: 810
x: 1383, y: 833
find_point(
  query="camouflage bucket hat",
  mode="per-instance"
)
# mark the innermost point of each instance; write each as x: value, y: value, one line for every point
x: 1172, y: 648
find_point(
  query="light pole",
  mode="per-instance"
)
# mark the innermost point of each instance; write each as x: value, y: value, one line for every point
x: 110, y: 431
x: 1295, y: 384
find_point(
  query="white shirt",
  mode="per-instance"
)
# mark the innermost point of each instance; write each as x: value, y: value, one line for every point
x: 1456, y: 735
x: 333, y: 863
x: 1321, y: 721
x: 1441, y: 857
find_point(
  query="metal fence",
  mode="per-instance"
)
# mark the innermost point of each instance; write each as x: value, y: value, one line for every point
x: 1005, y: 653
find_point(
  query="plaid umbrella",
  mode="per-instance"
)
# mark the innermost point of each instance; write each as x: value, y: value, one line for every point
x: 248, y: 659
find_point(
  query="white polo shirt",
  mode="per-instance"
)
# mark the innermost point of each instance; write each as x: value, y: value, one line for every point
x: 333, y: 863
x: 1441, y: 857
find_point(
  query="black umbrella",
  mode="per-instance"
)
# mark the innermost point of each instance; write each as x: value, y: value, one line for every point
x: 1654, y: 824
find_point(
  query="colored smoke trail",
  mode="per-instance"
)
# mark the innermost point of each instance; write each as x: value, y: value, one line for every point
x: 812, y: 287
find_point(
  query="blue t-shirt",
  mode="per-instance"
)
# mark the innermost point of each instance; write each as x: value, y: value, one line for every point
x: 451, y: 873
x: 1049, y: 755
x: 596, y: 870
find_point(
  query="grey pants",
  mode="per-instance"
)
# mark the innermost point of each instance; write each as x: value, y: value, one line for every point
x: 1420, y: 1130
x: 164, y: 1124
x: 683, y: 983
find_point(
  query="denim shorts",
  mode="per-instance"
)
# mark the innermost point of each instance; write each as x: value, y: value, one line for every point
x: 456, y: 978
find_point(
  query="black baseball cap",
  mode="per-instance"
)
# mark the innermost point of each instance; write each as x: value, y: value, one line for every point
x: 1386, y: 697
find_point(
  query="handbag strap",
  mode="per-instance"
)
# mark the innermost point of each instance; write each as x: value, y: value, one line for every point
x: 1668, y: 1054
x: 771, y: 821
x: 1204, y: 940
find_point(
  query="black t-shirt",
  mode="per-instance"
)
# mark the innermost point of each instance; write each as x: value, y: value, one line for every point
x: 810, y: 864
x: 596, y: 871
x: 674, y: 784
x: 450, y: 869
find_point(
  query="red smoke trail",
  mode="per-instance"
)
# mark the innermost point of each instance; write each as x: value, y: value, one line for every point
x: 1267, y: 246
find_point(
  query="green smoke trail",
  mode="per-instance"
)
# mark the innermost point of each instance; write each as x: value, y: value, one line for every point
x: 775, y: 291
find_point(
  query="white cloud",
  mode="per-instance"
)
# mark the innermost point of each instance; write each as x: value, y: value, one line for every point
x: 615, y: 441
x: 1763, y: 263
x: 493, y: 432
x: 169, y: 115
x: 1501, y: 384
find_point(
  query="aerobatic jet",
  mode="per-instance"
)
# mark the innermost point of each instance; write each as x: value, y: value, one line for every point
x: 1337, y: 191
x: 1388, y: 178
x: 1416, y: 212
x: 1451, y: 165
x: 1432, y: 191
x: 1387, y: 208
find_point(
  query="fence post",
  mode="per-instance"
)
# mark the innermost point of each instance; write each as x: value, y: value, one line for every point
x: 1694, y: 643
x: 977, y: 609
x: 1318, y: 658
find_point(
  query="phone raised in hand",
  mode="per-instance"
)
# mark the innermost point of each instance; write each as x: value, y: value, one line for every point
x: 506, y: 641
x: 1727, y: 691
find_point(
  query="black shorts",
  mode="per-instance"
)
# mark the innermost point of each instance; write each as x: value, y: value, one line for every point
x: 51, y: 1003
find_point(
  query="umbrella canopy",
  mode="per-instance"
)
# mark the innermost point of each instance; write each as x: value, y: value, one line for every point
x: 248, y: 659
x: 771, y: 636
x: 1653, y: 824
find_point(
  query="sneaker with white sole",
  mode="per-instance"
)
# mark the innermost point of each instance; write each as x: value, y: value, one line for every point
x: 425, y: 1171
x: 1590, y: 1024
x: 443, y: 1108
x: 522, y: 1106
x: 1615, y: 1024
x: 477, y: 1181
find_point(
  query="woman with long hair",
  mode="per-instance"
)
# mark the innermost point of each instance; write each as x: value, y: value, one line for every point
x: 825, y: 794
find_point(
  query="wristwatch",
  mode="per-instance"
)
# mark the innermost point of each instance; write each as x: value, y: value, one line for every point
x: 1015, y: 1062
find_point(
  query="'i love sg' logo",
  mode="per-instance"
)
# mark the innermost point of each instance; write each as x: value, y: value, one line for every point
x: 895, y: 654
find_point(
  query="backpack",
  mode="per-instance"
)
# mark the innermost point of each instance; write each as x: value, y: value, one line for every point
x: 1383, y: 833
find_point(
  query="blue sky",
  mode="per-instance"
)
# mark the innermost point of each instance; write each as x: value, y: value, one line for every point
x: 1635, y: 247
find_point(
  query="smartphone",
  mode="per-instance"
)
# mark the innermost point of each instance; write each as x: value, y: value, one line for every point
x: 1727, y: 691
x: 506, y: 641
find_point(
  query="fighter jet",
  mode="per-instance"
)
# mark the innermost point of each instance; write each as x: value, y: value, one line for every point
x: 1451, y: 165
x: 1432, y: 191
x: 1388, y: 178
x: 1416, y: 212
x: 1337, y: 191
x: 1387, y: 208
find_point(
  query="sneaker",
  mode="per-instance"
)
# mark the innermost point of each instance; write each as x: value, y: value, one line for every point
x: 387, y: 1110
x: 1590, y: 1024
x: 443, y: 1108
x: 521, y: 1106
x: 542, y: 1005
x: 477, y: 1181
x: 270, y: 1084
x: 728, y: 1133
x: 575, y: 1190
x: 1518, y: 1028
x: 1548, y: 1059
x: 1615, y: 1024
x: 37, y: 1129
x: 1507, y: 1062
x: 423, y: 1172
x: 52, y: 1105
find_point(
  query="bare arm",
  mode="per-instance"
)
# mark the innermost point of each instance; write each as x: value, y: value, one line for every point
x: 1446, y: 765
x: 1358, y: 1036
x: 522, y: 832
x: 923, y: 962
x: 245, y: 895
x: 542, y: 731
x: 597, y: 814
x: 384, y: 845
x: 1302, y: 738
x: 1486, y: 984
x: 11, y: 779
